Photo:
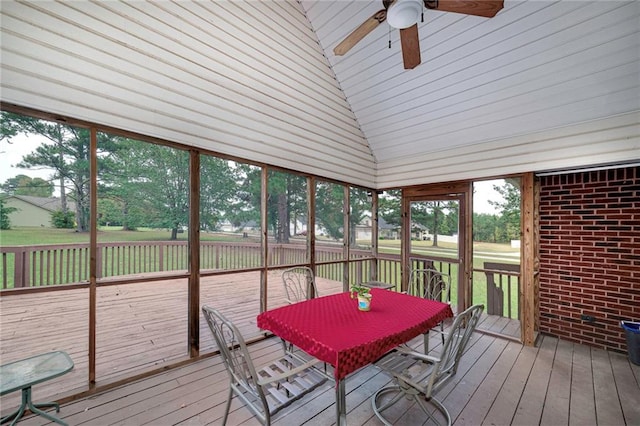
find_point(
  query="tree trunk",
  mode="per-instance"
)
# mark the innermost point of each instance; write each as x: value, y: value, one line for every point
x: 435, y: 227
x: 283, y: 219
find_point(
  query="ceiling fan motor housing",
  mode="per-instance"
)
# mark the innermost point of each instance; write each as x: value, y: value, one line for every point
x: 404, y: 13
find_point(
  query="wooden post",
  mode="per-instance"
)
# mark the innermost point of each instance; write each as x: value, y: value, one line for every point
x: 374, y: 236
x: 346, y: 237
x: 405, y: 242
x: 194, y: 254
x: 529, y: 276
x: 465, y: 248
x: 93, y: 252
x: 311, y: 224
x: 264, y: 194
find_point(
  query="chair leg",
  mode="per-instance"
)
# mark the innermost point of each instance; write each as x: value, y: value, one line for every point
x: 374, y: 401
x: 226, y: 410
x: 426, y: 343
x: 436, y: 404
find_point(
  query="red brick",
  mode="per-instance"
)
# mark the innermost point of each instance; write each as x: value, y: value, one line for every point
x: 590, y: 254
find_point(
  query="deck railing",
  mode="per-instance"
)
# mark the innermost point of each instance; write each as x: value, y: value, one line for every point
x: 49, y: 265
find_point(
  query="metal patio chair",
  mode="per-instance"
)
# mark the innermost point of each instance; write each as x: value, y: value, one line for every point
x: 267, y: 390
x: 430, y: 284
x: 417, y: 376
x: 299, y: 284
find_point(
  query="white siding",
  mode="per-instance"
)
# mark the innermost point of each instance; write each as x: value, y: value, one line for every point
x: 606, y: 141
x: 246, y: 79
x: 543, y: 85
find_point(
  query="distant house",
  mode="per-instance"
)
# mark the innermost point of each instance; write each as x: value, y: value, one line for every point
x: 250, y: 226
x: 33, y: 211
x: 385, y: 230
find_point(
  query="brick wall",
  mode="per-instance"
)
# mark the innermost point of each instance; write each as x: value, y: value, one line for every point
x: 590, y: 255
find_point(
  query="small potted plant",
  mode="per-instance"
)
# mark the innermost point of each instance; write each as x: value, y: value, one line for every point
x: 363, y: 294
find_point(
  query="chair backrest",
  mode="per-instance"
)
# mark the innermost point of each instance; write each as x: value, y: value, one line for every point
x: 299, y: 284
x: 459, y: 334
x: 272, y: 387
x: 429, y: 284
x: 235, y: 356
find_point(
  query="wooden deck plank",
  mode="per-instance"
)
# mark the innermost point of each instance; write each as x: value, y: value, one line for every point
x: 627, y: 386
x: 459, y: 397
x: 404, y: 412
x: 490, y: 370
x: 495, y: 376
x: 608, y: 408
x: 480, y: 403
x: 503, y: 408
x: 532, y: 402
x: 582, y: 409
x: 556, y: 404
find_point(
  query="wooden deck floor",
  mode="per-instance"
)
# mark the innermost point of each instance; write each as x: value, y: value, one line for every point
x: 499, y: 383
x: 143, y: 326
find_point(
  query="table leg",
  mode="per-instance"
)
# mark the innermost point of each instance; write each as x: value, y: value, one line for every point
x: 341, y: 404
x: 15, y: 416
x: 34, y: 408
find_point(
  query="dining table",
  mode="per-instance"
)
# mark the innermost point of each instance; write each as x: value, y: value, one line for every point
x: 332, y: 329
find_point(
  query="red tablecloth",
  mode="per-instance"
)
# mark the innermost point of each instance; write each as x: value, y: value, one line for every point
x: 332, y: 329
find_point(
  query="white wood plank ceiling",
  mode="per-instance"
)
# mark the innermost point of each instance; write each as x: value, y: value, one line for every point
x: 488, y: 89
x: 543, y: 85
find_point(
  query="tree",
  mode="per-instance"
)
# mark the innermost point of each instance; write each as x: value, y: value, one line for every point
x: 449, y: 223
x: 286, y: 194
x: 360, y: 207
x: 5, y: 221
x: 25, y: 185
x: 330, y: 208
x: 245, y: 205
x: 389, y: 207
x: 120, y: 200
x: 486, y: 227
x: 509, y: 209
x: 218, y: 188
x: 67, y: 154
x: 157, y: 176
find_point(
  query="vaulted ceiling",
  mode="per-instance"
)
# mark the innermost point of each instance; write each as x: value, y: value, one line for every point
x: 536, y: 65
x: 542, y: 85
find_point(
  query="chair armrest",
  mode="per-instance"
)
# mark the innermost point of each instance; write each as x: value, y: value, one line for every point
x: 289, y: 373
x: 418, y: 355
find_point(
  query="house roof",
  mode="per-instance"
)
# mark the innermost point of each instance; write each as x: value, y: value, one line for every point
x: 544, y: 85
x: 51, y: 204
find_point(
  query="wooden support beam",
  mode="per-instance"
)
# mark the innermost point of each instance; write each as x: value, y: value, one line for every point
x: 528, y: 265
x: 93, y: 251
x: 194, y: 254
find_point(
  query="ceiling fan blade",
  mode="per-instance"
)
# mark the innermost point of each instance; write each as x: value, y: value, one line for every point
x: 359, y: 33
x: 486, y: 8
x: 410, y: 47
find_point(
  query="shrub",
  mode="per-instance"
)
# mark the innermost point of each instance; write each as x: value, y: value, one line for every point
x: 62, y: 219
x: 5, y: 222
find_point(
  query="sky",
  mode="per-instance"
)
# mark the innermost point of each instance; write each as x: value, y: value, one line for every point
x: 12, y: 153
x: 483, y: 193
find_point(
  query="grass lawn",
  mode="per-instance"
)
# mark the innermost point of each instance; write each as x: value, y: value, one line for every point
x: 26, y: 236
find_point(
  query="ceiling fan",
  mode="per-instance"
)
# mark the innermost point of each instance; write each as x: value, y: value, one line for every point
x: 404, y: 15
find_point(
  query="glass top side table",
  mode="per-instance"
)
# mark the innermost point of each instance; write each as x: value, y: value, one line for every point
x: 378, y: 284
x: 22, y: 374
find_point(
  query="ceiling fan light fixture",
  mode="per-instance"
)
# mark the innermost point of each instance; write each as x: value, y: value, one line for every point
x: 404, y: 13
